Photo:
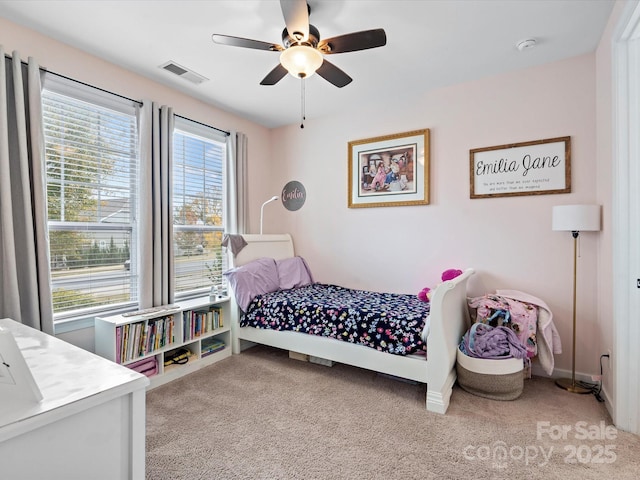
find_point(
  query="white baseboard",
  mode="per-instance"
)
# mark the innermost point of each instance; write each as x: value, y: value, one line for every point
x: 538, y: 371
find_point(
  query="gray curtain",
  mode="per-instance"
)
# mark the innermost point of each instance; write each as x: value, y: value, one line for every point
x: 25, y: 289
x: 155, y: 282
x: 237, y: 205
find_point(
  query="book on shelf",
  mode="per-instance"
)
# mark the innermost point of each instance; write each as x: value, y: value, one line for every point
x: 123, y: 345
x: 135, y: 340
x: 118, y: 344
x: 161, y: 333
x: 157, y: 324
x: 211, y: 352
x: 200, y: 321
x: 142, y: 346
x: 210, y: 346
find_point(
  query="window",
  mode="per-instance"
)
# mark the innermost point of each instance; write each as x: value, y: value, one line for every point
x: 198, y: 212
x: 91, y: 153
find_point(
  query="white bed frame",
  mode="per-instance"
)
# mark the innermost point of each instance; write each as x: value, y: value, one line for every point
x: 449, y: 321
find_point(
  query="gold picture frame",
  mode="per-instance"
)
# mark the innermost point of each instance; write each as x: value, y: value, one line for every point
x: 389, y: 171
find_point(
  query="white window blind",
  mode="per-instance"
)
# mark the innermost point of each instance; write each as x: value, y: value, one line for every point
x: 92, y: 175
x: 198, y: 214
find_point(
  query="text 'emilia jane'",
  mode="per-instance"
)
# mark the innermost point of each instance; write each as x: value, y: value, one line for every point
x: 510, y: 166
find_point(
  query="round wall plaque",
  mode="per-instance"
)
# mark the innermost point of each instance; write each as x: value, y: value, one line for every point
x: 293, y: 195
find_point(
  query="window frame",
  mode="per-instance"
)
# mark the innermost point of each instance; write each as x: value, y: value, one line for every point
x: 194, y: 129
x: 101, y: 99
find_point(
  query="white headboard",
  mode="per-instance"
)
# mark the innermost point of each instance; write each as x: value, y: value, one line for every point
x: 275, y: 246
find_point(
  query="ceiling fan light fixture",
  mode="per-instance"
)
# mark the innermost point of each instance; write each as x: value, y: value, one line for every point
x: 301, y: 61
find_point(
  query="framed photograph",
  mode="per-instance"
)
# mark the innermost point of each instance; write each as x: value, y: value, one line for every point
x: 528, y: 168
x: 389, y: 171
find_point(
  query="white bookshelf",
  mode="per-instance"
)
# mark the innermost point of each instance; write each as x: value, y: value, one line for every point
x: 159, y: 333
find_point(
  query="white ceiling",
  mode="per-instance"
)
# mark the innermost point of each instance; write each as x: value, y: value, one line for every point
x: 430, y: 44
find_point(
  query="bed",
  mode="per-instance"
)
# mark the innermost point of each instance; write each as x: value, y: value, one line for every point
x: 449, y: 319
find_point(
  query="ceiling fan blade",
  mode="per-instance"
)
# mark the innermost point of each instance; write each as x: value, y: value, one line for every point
x: 245, y: 42
x: 274, y: 76
x: 333, y: 74
x: 352, y: 42
x: 296, y: 18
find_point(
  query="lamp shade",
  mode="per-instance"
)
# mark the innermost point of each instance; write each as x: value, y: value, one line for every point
x: 576, y: 218
x: 301, y: 61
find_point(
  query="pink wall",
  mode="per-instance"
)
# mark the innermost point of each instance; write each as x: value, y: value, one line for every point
x: 508, y: 241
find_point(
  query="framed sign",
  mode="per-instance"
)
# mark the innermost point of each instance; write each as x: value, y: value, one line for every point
x: 529, y: 168
x: 389, y: 171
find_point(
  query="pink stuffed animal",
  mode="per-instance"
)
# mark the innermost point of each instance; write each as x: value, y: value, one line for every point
x: 424, y: 294
x: 450, y: 274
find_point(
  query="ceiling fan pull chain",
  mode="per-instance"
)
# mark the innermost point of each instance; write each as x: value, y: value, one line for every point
x: 302, y: 97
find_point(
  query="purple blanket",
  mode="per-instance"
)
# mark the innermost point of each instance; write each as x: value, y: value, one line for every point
x: 485, y: 341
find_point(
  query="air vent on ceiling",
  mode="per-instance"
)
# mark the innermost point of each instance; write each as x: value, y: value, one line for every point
x: 183, y: 72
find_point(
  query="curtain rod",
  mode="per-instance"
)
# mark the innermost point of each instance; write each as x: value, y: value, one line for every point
x: 42, y: 69
x: 139, y: 102
x: 203, y: 124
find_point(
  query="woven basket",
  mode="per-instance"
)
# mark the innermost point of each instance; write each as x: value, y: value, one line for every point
x: 495, y: 379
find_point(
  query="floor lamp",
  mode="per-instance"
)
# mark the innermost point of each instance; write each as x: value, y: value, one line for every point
x: 272, y: 199
x: 575, y: 219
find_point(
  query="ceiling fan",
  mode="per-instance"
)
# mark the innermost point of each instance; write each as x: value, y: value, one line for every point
x: 302, y: 52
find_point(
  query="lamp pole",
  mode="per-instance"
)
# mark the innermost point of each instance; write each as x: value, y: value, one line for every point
x: 272, y: 199
x: 571, y: 386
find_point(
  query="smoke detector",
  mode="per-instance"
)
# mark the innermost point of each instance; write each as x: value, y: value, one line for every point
x: 526, y: 44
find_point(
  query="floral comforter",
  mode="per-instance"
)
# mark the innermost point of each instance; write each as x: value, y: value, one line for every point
x: 388, y: 322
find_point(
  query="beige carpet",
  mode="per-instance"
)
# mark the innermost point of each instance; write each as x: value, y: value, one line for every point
x: 261, y: 415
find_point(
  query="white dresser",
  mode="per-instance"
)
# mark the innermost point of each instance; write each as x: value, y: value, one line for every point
x: 90, y: 423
